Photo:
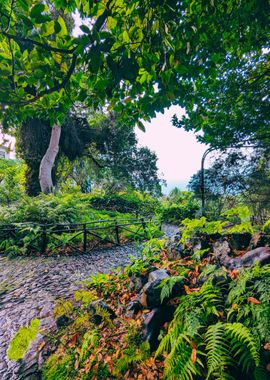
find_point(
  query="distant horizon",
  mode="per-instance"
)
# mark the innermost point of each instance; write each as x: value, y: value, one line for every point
x: 182, y: 185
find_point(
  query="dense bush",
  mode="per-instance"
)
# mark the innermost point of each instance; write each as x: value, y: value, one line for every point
x: 12, y: 180
x: 25, y: 221
x: 134, y: 202
x: 44, y: 209
x: 176, y: 213
x: 235, y: 220
x: 220, y: 328
x: 177, y: 206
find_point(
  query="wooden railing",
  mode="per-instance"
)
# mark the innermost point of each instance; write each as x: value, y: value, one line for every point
x: 75, y: 237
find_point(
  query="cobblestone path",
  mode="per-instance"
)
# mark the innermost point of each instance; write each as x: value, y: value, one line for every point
x: 29, y: 288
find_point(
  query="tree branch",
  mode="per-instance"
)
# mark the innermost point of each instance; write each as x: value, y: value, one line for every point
x: 13, y: 65
x: 95, y: 161
x: 10, y: 14
x: 40, y: 44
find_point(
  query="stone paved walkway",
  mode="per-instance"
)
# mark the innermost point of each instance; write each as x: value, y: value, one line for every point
x: 29, y: 288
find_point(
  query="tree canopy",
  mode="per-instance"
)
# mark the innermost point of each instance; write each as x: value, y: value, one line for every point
x: 135, y: 57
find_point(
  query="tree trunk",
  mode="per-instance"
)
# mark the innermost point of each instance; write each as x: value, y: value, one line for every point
x: 47, y: 162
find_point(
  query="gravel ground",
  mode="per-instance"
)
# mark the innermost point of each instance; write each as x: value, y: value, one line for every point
x: 30, y: 286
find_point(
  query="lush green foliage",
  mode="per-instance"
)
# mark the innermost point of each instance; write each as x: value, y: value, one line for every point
x: 126, y: 202
x: 12, y: 180
x: 20, y: 342
x: 239, y: 216
x: 216, y: 327
x: 56, y: 210
x: 122, y: 58
x: 178, y: 206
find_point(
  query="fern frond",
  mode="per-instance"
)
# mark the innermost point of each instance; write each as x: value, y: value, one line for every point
x: 217, y: 348
x: 260, y: 372
x: 243, y: 344
x: 179, y: 364
x: 167, y: 285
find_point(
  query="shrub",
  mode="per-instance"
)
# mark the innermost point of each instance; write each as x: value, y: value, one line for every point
x: 176, y: 213
x: 12, y: 180
x: 134, y: 202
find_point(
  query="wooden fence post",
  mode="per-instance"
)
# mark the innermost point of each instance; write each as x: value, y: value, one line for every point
x: 84, y: 237
x: 117, y: 233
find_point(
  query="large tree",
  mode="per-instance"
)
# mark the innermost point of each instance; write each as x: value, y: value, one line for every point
x: 105, y: 152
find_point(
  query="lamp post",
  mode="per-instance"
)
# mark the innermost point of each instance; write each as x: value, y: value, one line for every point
x: 202, y: 178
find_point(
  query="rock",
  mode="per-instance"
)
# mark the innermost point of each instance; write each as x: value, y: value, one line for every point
x: 62, y: 321
x: 260, y: 255
x: 199, y: 243
x: 99, y: 304
x: 153, y: 323
x: 137, y: 282
x: 150, y: 295
x: 176, y: 238
x: 240, y: 241
x: 174, y: 248
x: 157, y: 275
x: 133, y: 308
x: 221, y: 250
x: 258, y: 239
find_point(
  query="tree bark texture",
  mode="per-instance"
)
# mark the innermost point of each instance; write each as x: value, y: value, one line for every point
x: 48, y: 160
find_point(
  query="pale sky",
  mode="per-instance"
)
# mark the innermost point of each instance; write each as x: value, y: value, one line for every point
x: 179, y: 153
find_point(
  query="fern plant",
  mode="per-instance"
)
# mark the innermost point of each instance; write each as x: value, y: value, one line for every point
x: 167, y: 285
x: 228, y: 344
x: 218, y: 331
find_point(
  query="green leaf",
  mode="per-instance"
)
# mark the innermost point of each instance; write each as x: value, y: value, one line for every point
x: 111, y: 22
x: 63, y: 31
x: 126, y: 36
x: 37, y: 10
x: 141, y: 126
x: 24, y: 4
x: 85, y: 29
x: 49, y: 28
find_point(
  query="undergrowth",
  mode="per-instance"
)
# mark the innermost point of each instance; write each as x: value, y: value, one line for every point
x: 220, y: 328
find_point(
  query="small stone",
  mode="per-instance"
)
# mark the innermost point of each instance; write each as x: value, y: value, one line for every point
x: 154, y: 321
x: 137, y: 283
x: 63, y: 321
x: 157, y: 275
x: 133, y: 308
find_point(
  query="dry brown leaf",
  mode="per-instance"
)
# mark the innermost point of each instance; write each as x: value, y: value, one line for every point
x: 253, y: 300
x: 73, y: 340
x: 189, y: 290
x: 193, y: 355
x: 235, y: 273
